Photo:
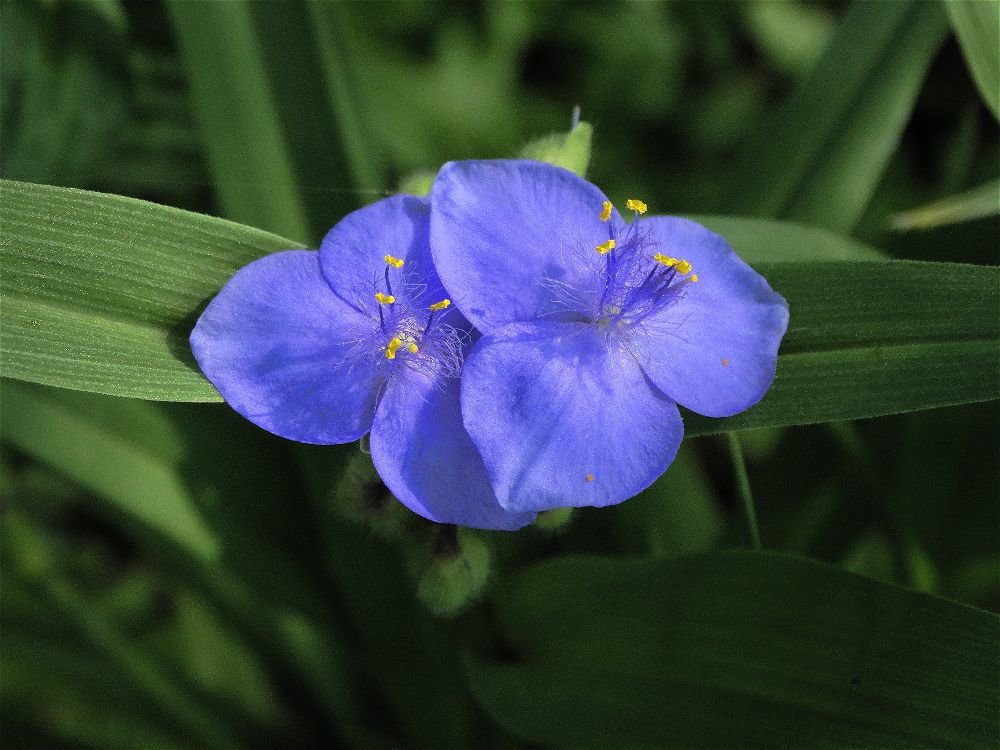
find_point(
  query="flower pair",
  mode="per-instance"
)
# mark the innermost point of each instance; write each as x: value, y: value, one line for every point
x: 512, y: 344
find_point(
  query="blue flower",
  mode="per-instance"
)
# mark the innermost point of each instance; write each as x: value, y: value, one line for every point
x: 594, y: 330
x: 321, y: 347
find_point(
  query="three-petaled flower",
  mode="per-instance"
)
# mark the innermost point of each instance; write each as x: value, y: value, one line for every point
x: 594, y: 330
x: 321, y: 347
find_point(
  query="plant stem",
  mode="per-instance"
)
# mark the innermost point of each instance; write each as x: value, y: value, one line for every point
x: 743, y: 483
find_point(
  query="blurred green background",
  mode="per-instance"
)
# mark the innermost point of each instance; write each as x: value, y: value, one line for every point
x: 174, y: 577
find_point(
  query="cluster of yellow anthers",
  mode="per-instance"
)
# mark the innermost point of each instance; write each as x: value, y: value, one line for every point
x: 682, y: 266
x: 402, y: 340
x: 397, y: 341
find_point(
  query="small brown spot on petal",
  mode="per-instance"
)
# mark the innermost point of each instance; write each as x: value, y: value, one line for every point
x: 589, y: 478
x: 725, y: 362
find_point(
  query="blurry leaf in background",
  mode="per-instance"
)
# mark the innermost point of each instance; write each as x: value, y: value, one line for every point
x: 770, y: 24
x: 977, y: 25
x: 62, y: 90
x: 436, y: 86
x: 821, y: 154
x: 104, y: 299
x: 768, y: 240
x: 280, y: 112
x: 735, y: 649
x: 977, y: 203
x: 104, y: 452
x: 679, y: 513
x: 239, y: 117
x: 158, y: 153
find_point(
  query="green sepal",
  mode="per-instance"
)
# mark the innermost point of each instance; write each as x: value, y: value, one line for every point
x: 567, y: 150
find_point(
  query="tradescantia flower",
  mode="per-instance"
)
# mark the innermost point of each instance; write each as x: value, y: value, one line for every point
x: 321, y: 347
x: 594, y: 330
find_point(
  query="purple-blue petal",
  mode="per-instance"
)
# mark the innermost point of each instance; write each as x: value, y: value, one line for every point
x: 284, y: 351
x: 563, y: 418
x: 352, y: 254
x: 427, y: 459
x: 715, y: 349
x: 513, y: 241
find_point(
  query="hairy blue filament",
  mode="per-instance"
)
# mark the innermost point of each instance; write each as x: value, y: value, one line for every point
x: 631, y: 293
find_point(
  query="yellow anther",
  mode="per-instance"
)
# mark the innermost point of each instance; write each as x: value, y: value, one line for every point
x: 694, y: 277
x: 442, y: 305
x: 605, y: 247
x: 636, y: 205
x: 390, y: 349
x: 385, y: 299
x: 665, y: 260
x: 606, y: 211
x: 412, y: 348
x: 684, y: 267
x: 394, y: 261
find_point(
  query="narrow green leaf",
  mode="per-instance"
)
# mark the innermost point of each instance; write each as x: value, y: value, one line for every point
x: 239, y: 117
x: 868, y: 339
x: 100, y: 292
x: 735, y: 649
x: 976, y: 23
x: 104, y: 300
x: 346, y: 100
x: 872, y: 381
x: 104, y: 458
x: 977, y: 203
x: 820, y: 156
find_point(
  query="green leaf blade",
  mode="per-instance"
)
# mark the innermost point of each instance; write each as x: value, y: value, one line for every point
x: 976, y: 23
x: 820, y: 156
x: 868, y: 339
x: 137, y: 475
x: 238, y: 116
x: 735, y: 649
x: 103, y: 296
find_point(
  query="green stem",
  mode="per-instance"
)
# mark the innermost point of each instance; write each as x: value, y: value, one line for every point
x: 743, y: 484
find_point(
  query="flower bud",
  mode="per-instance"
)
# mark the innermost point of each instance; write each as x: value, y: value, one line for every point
x: 567, y: 150
x: 457, y: 572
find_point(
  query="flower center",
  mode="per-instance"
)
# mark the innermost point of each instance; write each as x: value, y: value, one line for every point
x: 411, y: 329
x: 637, y: 281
